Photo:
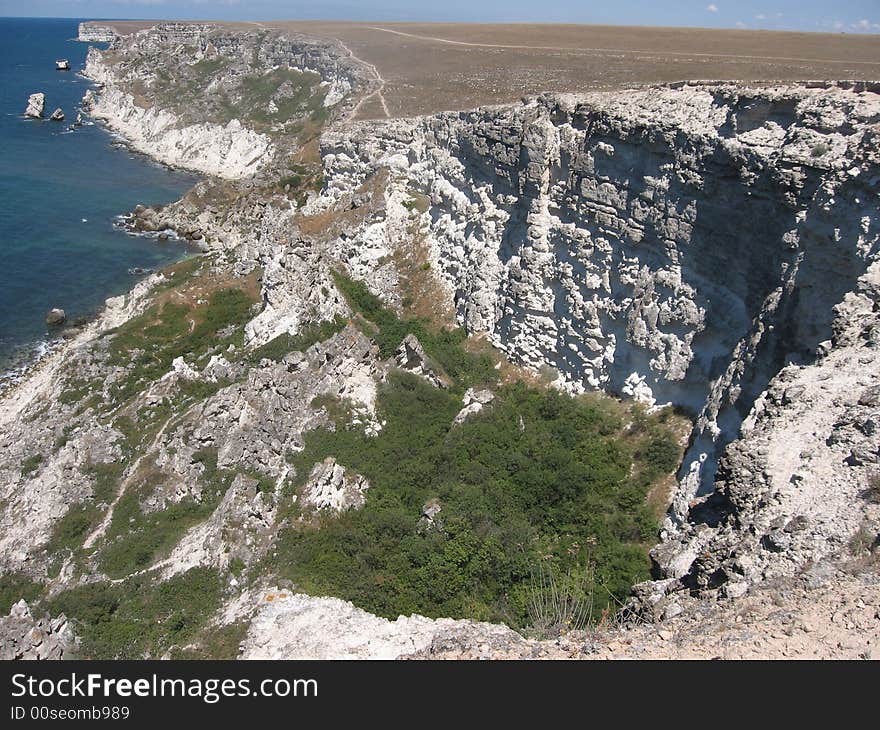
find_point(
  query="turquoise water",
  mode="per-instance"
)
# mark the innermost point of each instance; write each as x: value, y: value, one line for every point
x: 60, y: 193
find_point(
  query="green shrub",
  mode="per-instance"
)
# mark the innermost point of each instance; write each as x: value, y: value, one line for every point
x: 139, y: 617
x: 445, y: 347
x: 31, y: 464
x: 14, y: 587
x: 535, y: 478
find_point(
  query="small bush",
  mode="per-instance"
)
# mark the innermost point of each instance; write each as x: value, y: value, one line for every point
x: 14, y: 587
x: 31, y: 464
x: 140, y: 618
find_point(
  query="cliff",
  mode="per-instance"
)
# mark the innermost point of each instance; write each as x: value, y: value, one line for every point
x: 707, y: 247
x: 90, y: 32
x: 695, y: 245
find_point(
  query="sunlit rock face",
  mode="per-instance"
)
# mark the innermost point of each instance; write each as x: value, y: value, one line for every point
x: 699, y: 245
x: 678, y: 245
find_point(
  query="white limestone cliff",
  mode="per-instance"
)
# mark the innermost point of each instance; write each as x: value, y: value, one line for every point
x: 229, y: 151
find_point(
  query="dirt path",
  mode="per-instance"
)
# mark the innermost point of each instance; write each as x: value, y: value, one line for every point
x: 123, y: 485
x: 576, y: 49
x: 377, y: 93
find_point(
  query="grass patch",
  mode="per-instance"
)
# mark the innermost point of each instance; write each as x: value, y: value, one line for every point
x: 219, y: 642
x: 136, y: 539
x: 31, y: 464
x: 14, y: 587
x: 285, y: 343
x: 444, y: 346
x: 149, y: 343
x: 140, y: 618
x: 80, y: 519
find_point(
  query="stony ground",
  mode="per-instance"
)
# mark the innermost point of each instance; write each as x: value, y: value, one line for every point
x: 827, y: 613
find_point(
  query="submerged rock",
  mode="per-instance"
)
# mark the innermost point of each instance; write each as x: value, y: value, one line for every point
x: 55, y: 317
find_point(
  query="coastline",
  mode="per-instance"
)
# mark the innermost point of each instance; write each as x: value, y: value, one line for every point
x: 37, y: 379
x: 27, y: 377
x: 229, y: 151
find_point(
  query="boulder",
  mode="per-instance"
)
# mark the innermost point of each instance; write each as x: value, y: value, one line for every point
x: 57, y: 116
x: 24, y: 636
x: 35, y: 105
x: 330, y: 487
x: 473, y: 403
x: 411, y: 356
x: 55, y: 317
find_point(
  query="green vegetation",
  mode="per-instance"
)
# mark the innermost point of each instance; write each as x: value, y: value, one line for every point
x: 537, y: 478
x: 445, y: 347
x: 136, y: 539
x: 417, y: 202
x: 139, y: 617
x: 80, y: 519
x: 286, y: 343
x: 217, y: 642
x: 297, y: 96
x: 31, y: 464
x: 168, y: 330
x: 75, y: 391
x: 14, y: 587
x: 536, y: 481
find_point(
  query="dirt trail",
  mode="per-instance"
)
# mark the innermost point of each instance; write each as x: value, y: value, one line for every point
x: 377, y: 93
x: 123, y: 485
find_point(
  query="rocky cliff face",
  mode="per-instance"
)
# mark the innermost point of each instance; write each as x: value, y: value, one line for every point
x: 169, y: 110
x: 691, y: 245
x: 95, y: 33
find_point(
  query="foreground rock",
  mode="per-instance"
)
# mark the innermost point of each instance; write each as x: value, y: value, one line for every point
x: 294, y: 626
x: 24, y: 637
x: 35, y: 105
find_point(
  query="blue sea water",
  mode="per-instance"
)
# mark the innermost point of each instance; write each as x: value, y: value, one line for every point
x: 60, y: 192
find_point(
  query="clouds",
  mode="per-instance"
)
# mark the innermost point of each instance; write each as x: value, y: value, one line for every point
x: 712, y: 8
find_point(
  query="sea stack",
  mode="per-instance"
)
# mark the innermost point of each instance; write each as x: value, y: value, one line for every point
x: 57, y: 116
x: 54, y: 317
x: 35, y: 105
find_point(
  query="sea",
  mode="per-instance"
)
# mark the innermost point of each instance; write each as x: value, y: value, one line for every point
x: 61, y: 191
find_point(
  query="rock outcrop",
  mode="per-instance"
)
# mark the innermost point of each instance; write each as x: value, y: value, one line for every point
x: 35, y: 105
x: 183, y: 131
x: 331, y: 487
x: 55, y: 317
x: 295, y: 626
x: 95, y: 33
x: 229, y: 151
x: 22, y: 636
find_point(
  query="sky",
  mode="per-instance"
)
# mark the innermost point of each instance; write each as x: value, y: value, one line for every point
x: 845, y: 16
